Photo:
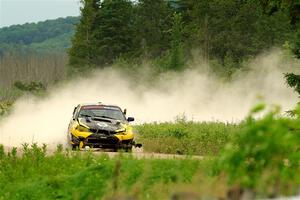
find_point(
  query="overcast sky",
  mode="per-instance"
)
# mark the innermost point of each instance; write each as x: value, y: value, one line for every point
x: 23, y: 11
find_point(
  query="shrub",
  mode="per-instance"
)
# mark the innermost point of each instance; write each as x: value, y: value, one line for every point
x: 30, y: 87
x: 264, y: 156
x: 5, y: 106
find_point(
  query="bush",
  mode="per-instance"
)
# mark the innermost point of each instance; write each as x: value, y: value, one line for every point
x: 5, y: 107
x: 30, y: 87
x: 264, y: 156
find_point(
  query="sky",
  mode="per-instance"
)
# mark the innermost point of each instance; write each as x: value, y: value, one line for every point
x: 23, y: 11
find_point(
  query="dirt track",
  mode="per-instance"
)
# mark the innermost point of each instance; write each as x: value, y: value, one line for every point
x: 136, y: 153
x: 141, y: 155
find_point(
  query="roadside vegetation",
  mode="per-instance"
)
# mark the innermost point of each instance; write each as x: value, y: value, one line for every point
x: 67, y: 175
x: 186, y: 137
x: 28, y: 73
x: 264, y: 156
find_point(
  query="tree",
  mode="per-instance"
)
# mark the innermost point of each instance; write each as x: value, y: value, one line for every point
x: 114, y: 33
x: 272, y: 6
x: 293, y: 81
x: 232, y: 29
x: 82, y: 52
x: 176, y: 53
x: 293, y: 9
x: 153, y: 25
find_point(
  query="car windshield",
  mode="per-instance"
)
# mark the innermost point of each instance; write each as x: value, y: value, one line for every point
x: 101, y: 111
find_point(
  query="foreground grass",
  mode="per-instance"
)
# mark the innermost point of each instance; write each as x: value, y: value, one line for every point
x: 66, y: 175
x: 186, y: 137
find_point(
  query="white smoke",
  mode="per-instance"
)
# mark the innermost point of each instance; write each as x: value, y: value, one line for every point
x: 199, y: 95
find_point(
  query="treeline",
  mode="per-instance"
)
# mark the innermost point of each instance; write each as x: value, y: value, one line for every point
x: 227, y: 32
x: 43, y: 68
x: 49, y: 36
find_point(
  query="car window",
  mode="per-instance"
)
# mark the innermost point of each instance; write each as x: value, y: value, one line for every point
x: 105, y: 112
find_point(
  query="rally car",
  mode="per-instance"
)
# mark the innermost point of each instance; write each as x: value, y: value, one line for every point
x: 101, y: 126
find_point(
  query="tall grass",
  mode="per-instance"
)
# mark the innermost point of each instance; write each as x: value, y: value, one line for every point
x: 185, y: 137
x: 65, y: 175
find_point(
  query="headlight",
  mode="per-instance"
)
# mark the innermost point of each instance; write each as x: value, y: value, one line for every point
x: 121, y: 131
x: 82, y: 129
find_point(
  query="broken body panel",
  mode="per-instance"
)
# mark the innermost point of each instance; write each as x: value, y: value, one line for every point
x: 100, y: 126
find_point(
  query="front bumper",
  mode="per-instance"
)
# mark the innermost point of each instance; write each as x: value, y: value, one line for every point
x: 103, y: 141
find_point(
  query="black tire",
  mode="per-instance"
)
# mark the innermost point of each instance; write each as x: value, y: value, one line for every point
x: 128, y: 149
x: 75, y: 147
x: 115, y: 149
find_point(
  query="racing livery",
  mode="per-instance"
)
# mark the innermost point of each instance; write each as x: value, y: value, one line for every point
x: 101, y: 126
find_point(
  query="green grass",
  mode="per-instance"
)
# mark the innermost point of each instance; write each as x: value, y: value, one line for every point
x: 66, y: 175
x: 186, y: 137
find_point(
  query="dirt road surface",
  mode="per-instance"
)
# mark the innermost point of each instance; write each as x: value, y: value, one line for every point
x: 140, y: 154
x: 137, y: 153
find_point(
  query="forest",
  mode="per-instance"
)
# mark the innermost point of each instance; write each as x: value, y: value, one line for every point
x: 42, y: 37
x: 223, y: 32
x: 167, y: 32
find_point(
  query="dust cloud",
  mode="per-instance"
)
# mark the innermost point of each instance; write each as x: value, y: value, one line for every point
x: 196, y: 93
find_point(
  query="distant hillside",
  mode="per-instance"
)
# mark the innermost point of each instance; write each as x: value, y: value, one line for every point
x: 46, y: 36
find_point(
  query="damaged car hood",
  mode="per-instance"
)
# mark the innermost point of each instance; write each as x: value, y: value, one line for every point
x: 96, y: 124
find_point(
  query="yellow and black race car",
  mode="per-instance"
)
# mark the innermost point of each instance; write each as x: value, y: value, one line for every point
x: 101, y: 126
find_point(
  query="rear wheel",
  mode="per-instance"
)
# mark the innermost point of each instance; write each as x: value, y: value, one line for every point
x: 115, y: 149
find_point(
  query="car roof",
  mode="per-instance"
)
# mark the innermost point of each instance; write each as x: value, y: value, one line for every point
x: 99, y: 104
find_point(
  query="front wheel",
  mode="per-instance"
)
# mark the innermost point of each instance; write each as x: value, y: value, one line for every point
x: 75, y: 147
x: 79, y: 146
x: 128, y: 149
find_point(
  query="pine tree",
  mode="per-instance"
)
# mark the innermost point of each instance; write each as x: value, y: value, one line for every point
x: 293, y: 81
x: 176, y: 53
x: 153, y: 25
x: 82, y: 52
x: 114, y: 33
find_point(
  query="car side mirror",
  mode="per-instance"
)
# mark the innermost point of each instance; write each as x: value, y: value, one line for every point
x: 130, y: 119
